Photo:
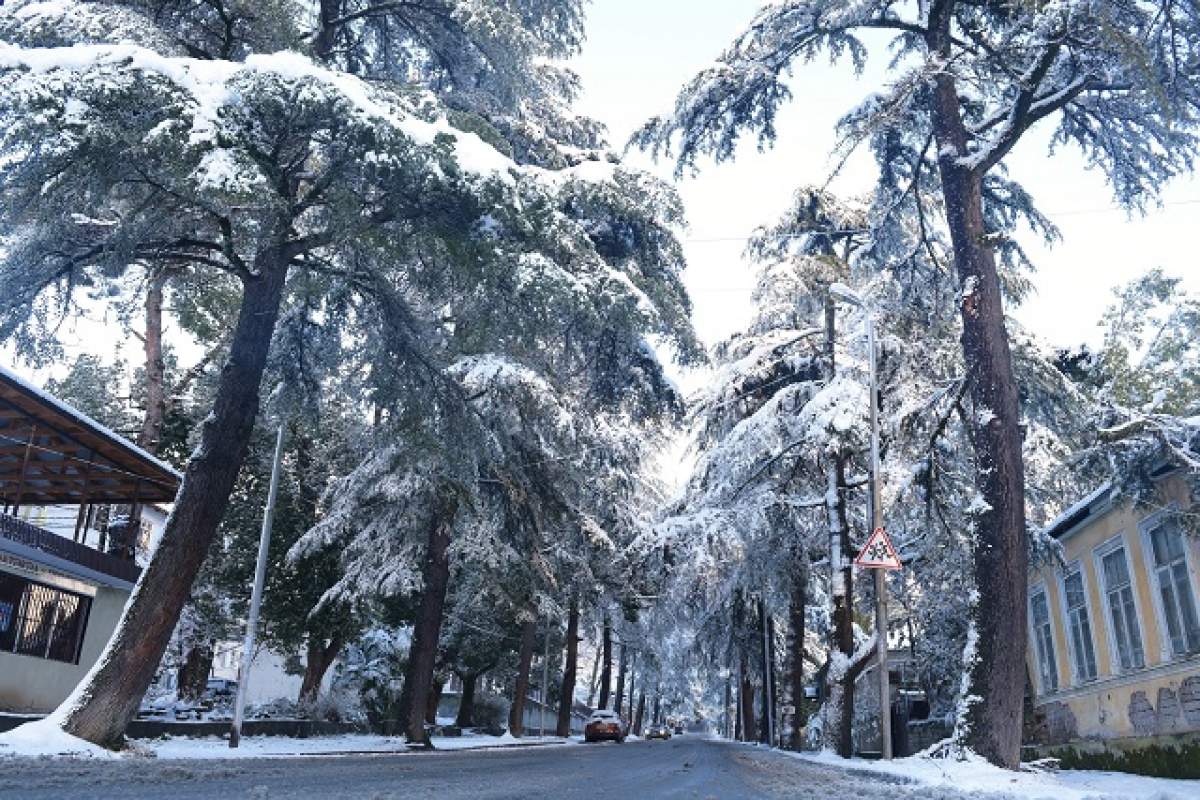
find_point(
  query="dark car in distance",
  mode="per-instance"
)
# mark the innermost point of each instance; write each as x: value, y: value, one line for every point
x: 604, y: 725
x: 658, y: 732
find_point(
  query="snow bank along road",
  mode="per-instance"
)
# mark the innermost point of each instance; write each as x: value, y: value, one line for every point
x: 685, y: 767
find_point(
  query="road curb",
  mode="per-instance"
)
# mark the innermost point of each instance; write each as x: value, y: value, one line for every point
x: 412, y: 750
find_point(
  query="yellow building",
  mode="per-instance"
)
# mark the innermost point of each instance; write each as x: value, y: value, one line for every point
x: 1114, y: 650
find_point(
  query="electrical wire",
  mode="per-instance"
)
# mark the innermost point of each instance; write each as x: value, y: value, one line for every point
x: 847, y: 231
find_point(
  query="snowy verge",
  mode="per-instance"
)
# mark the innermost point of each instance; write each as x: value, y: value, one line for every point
x: 43, y: 738
x: 974, y: 774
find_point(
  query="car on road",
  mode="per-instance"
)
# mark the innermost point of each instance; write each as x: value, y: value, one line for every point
x: 679, y: 730
x: 658, y: 732
x: 605, y: 725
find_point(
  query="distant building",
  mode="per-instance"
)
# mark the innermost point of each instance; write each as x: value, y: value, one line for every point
x: 61, y: 594
x: 1114, y: 650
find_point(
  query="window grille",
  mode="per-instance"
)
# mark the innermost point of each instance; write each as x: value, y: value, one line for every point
x: 1080, y: 626
x: 1121, y: 610
x: 1175, y: 588
x: 40, y: 620
x: 1043, y: 639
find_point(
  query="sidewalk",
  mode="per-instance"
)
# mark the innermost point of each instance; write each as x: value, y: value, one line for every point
x: 349, y: 744
x: 44, y: 739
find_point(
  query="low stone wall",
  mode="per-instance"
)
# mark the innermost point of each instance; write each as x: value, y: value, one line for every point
x: 289, y: 728
x: 923, y: 734
x: 1162, y: 756
x: 154, y: 729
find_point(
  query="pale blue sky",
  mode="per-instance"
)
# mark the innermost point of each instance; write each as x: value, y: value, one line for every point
x: 640, y: 52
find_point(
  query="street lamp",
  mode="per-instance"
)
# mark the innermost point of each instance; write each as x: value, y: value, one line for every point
x: 839, y: 291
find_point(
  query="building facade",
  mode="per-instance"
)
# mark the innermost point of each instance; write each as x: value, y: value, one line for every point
x: 1114, y: 630
x: 62, y: 590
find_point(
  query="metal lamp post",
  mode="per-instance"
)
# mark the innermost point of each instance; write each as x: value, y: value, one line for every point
x: 842, y: 292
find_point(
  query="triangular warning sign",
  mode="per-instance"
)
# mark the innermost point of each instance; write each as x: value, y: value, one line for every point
x: 878, y: 553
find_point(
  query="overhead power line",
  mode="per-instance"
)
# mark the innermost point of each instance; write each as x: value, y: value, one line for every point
x: 1074, y: 212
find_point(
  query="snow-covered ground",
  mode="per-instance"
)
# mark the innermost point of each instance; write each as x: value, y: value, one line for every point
x: 42, y: 739
x: 275, y: 746
x: 976, y: 775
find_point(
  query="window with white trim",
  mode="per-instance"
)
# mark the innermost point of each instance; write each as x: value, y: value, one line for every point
x: 1079, y: 626
x: 1043, y: 640
x: 1178, y: 604
x: 1122, y: 613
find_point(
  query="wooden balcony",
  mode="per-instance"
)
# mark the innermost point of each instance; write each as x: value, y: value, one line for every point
x: 33, y: 543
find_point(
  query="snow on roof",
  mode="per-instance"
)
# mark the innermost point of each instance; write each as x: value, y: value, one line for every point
x: 84, y: 420
x: 1077, y: 513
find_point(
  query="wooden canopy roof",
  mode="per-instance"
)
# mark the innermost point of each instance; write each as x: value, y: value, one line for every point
x: 50, y: 454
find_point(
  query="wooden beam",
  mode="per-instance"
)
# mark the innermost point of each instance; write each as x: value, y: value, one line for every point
x: 24, y: 464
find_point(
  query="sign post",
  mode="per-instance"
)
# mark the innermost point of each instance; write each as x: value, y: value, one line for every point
x: 880, y: 556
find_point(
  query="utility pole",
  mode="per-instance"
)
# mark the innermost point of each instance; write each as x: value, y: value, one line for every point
x: 545, y: 676
x: 260, y: 574
x: 881, y: 615
x: 885, y: 715
x: 768, y: 674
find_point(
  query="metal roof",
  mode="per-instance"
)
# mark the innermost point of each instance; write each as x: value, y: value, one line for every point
x: 52, y: 453
x: 1082, y: 512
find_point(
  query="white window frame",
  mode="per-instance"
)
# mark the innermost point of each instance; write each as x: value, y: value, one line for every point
x: 1043, y: 690
x: 1072, y: 567
x: 1114, y: 652
x: 1166, y: 651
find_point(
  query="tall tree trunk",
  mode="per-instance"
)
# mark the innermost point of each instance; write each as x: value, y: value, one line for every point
x: 767, y: 672
x: 606, y: 669
x: 747, y: 695
x: 992, y: 726
x: 466, y: 702
x: 840, y: 694
x: 632, y: 681
x: 150, y: 436
x: 192, y: 678
x: 566, y: 696
x: 102, y: 705
x: 516, y: 712
x: 737, y: 712
x: 123, y: 535
x: 657, y: 714
x: 641, y: 710
x: 728, y: 732
x: 594, y: 681
x: 323, y: 42
x: 796, y: 620
x: 422, y: 655
x: 620, y: 696
x: 319, y: 657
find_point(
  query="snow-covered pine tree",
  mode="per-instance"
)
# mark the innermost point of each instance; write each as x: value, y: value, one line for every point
x: 756, y: 449
x: 1144, y: 382
x: 261, y: 170
x: 1119, y: 81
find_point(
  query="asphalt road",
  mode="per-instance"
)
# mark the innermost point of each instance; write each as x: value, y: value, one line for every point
x: 688, y: 767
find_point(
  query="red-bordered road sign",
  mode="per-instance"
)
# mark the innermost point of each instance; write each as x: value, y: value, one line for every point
x: 878, y: 553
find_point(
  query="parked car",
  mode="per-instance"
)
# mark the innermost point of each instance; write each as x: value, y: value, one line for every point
x: 658, y: 732
x: 679, y: 730
x: 220, y: 687
x: 605, y: 725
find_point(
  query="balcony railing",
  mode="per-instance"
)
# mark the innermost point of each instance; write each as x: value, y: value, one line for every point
x: 17, y: 530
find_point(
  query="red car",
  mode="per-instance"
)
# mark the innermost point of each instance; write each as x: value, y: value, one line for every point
x: 605, y: 725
